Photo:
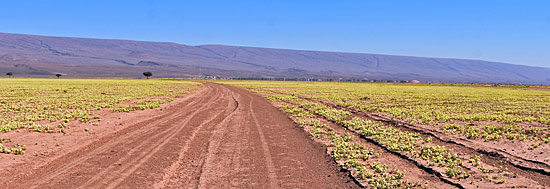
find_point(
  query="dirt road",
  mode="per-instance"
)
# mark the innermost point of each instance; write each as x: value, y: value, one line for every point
x: 219, y: 137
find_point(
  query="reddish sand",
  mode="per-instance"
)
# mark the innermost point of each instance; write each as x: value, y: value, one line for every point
x: 218, y: 137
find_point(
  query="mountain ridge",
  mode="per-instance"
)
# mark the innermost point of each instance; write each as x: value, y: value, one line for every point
x: 88, y: 57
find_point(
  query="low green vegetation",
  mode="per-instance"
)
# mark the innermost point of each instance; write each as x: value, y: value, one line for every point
x: 46, y: 105
x: 486, y: 113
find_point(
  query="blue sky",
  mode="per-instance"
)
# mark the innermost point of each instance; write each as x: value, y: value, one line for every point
x: 513, y: 31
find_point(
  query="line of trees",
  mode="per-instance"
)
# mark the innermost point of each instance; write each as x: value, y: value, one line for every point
x: 146, y: 74
x: 10, y: 74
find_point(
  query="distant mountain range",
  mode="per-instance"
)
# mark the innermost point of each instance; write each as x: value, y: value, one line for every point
x: 42, y: 56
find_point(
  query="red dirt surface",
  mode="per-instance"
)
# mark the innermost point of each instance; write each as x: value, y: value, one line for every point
x: 219, y: 137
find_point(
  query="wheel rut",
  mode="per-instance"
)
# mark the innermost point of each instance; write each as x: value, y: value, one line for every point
x: 533, y: 171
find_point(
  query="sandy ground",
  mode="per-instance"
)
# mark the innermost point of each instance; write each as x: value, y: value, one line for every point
x: 218, y: 137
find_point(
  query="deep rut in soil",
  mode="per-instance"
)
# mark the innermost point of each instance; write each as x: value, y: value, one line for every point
x: 532, y: 170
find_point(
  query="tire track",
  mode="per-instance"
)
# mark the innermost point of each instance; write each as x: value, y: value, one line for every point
x: 96, y: 149
x: 173, y: 167
x: 273, y: 182
x: 285, y: 150
x: 214, y: 144
x: 132, y: 165
x: 169, y: 177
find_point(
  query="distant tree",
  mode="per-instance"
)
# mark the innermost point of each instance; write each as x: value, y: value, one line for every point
x: 58, y: 75
x: 147, y: 74
x: 9, y: 74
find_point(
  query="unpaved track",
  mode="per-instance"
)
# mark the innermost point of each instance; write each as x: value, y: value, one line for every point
x: 220, y: 137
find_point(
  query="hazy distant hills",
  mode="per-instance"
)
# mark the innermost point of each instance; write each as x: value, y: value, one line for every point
x: 40, y: 56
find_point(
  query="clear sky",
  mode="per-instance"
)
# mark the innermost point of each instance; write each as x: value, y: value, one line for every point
x: 513, y: 31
